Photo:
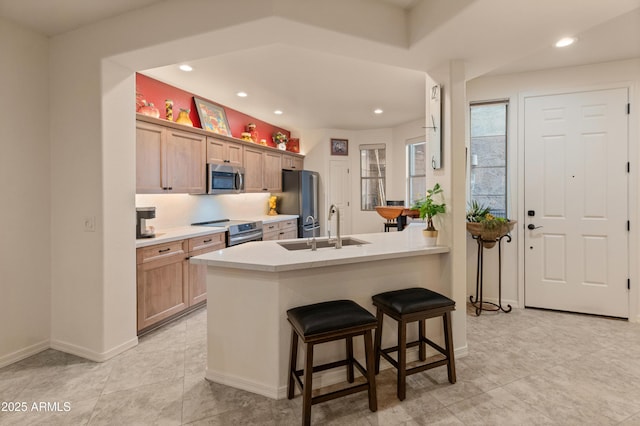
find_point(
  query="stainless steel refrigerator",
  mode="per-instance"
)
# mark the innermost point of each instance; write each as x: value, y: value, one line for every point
x: 300, y: 196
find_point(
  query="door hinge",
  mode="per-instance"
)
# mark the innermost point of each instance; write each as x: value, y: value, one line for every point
x: 628, y: 283
x: 628, y: 108
x: 628, y: 167
x: 628, y: 225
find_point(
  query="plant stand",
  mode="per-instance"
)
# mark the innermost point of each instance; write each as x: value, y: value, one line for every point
x: 478, y: 303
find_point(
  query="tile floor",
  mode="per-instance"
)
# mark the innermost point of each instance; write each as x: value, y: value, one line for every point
x: 527, y: 367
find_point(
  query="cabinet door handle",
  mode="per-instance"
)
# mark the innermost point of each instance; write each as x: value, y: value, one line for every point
x: 208, y: 241
x: 164, y: 250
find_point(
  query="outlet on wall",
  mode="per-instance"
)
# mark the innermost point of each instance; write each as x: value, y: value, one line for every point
x: 89, y: 223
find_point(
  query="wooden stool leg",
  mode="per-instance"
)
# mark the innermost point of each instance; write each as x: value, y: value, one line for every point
x: 306, y: 389
x: 293, y: 364
x: 378, y: 340
x: 371, y: 375
x: 402, y: 360
x: 448, y: 345
x: 349, y: 359
x: 422, y: 345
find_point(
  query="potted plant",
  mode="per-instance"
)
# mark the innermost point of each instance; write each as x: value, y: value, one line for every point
x: 489, y: 228
x: 429, y: 208
x: 281, y: 140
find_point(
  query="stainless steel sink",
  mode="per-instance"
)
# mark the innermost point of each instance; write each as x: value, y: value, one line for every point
x: 321, y: 243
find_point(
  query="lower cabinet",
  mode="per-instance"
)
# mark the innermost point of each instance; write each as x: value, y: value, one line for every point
x: 280, y: 230
x: 198, y: 273
x: 167, y: 284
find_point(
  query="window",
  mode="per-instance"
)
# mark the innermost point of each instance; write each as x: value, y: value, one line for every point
x: 373, y: 166
x: 417, y: 170
x: 488, y: 177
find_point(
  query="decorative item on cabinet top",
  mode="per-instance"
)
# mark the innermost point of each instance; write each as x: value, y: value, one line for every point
x: 212, y: 117
x: 280, y: 139
x: 150, y: 110
x: 183, y: 117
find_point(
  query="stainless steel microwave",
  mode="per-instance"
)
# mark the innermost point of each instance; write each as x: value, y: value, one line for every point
x: 224, y: 179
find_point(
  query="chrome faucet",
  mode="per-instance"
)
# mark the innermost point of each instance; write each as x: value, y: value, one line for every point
x: 338, y: 241
x: 312, y: 242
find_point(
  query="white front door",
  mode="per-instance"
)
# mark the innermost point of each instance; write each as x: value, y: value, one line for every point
x: 576, y: 197
x: 340, y: 195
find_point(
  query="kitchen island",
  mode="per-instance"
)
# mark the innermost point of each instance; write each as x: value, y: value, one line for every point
x: 251, y: 286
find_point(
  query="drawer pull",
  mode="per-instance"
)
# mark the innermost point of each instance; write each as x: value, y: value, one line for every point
x: 208, y: 241
x: 164, y: 250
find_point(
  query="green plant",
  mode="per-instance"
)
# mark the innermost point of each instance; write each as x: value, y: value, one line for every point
x: 428, y: 207
x: 476, y: 211
x: 491, y: 222
x: 279, y: 137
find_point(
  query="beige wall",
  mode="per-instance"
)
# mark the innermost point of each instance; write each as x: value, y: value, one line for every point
x: 25, y: 226
x: 514, y: 87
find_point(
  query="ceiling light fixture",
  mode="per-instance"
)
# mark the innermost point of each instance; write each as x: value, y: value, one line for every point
x: 378, y: 111
x: 185, y: 67
x: 566, y: 41
x: 277, y: 112
x: 242, y: 94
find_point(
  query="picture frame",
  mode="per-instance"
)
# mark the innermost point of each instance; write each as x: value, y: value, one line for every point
x: 339, y: 146
x: 212, y: 117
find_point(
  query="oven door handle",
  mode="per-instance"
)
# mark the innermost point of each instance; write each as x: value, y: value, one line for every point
x: 246, y: 237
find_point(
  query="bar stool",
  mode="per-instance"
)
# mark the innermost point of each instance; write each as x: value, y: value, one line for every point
x: 326, y: 322
x: 406, y: 306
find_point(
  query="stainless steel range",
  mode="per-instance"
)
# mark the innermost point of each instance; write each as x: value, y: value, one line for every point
x: 238, y: 231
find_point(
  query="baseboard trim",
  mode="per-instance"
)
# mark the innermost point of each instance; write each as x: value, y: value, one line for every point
x: 93, y: 355
x: 243, y: 384
x: 23, y: 353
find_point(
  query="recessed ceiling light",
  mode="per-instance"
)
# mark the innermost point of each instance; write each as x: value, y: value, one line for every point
x: 185, y: 67
x: 378, y: 111
x: 242, y: 94
x: 566, y: 41
x: 277, y: 112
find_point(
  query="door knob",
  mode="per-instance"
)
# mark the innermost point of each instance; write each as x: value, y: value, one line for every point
x: 531, y: 226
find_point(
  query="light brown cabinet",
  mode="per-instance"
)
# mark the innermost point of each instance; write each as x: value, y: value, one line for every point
x: 281, y: 230
x: 291, y: 162
x: 263, y: 170
x: 221, y: 151
x: 167, y: 284
x: 169, y: 160
x: 162, y: 282
x: 198, y: 273
x: 172, y: 158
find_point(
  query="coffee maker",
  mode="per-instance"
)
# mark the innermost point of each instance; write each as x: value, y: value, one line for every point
x: 142, y: 214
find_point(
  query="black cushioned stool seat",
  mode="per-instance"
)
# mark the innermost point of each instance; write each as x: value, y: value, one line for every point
x: 326, y: 322
x: 406, y: 306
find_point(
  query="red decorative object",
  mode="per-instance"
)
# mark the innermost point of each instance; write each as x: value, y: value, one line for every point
x: 150, y: 110
x: 156, y: 91
x: 140, y: 101
x: 251, y: 129
x: 293, y: 145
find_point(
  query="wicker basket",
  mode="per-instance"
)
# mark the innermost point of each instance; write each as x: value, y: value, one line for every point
x: 489, y: 237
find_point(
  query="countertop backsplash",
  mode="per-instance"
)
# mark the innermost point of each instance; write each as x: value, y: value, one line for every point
x: 175, y: 210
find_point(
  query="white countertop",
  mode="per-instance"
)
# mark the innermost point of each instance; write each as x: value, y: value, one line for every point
x: 270, y: 219
x: 269, y: 256
x: 182, y: 232
x: 175, y: 234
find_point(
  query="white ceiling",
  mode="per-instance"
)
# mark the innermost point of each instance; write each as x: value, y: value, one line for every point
x: 325, y: 90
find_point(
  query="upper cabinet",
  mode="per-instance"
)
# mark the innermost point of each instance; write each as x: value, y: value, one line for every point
x: 262, y: 170
x: 292, y: 162
x: 172, y: 158
x: 221, y: 151
x: 169, y: 160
